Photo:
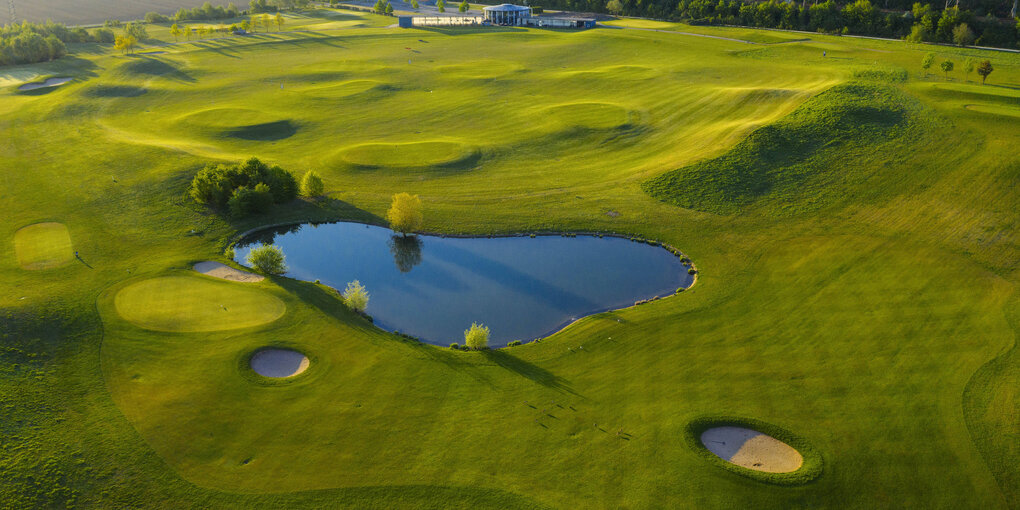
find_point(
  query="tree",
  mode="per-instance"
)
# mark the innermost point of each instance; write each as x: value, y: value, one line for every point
x: 136, y: 30
x: 476, y: 337
x: 247, y: 201
x: 464, y: 6
x: 614, y: 6
x: 414, y: 4
x: 984, y: 69
x: 389, y: 9
x: 267, y: 21
x: 379, y: 7
x: 267, y: 259
x: 927, y: 62
x: 125, y: 43
x: 947, y: 67
x: 175, y: 30
x: 155, y: 17
x: 311, y: 184
x: 963, y: 35
x: 356, y: 297
x: 405, y: 213
x: 969, y: 68
x: 406, y: 252
x: 918, y: 33
x: 246, y: 26
x: 104, y: 35
x: 279, y: 21
x: 441, y: 5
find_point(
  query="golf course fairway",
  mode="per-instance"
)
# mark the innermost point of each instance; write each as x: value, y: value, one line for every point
x: 853, y: 221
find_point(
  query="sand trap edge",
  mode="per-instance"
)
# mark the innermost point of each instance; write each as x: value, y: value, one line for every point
x: 811, y: 468
x: 244, y: 357
x: 224, y: 272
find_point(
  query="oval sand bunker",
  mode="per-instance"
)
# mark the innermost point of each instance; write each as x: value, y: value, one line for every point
x: 752, y: 449
x: 279, y: 363
x: 51, y: 82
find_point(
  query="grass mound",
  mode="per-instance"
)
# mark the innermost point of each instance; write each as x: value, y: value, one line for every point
x: 343, y: 89
x: 147, y: 67
x: 108, y: 91
x: 800, y: 162
x: 267, y: 131
x: 408, y: 155
x: 587, y: 116
x: 1003, y: 110
x: 43, y: 246
x: 190, y: 304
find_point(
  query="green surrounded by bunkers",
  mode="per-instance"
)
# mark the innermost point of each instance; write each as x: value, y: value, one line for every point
x: 850, y: 341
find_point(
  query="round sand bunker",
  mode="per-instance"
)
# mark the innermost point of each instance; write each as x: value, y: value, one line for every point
x: 279, y: 363
x: 752, y: 449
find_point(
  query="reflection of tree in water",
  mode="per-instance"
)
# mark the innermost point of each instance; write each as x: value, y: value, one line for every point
x: 268, y: 235
x: 406, y: 252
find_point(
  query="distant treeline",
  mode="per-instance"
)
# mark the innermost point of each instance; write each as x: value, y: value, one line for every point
x: 27, y: 43
x: 920, y: 21
x: 208, y: 11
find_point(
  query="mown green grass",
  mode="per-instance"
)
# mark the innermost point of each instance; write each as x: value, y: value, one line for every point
x: 43, y: 245
x: 865, y: 302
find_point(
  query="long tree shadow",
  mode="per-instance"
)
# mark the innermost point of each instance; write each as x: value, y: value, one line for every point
x: 528, y: 370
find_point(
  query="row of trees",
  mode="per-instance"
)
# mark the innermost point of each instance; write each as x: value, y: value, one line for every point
x: 267, y: 21
x: 983, y: 68
x: 924, y: 21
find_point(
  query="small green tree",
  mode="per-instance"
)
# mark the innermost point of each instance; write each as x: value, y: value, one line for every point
x: 463, y: 6
x: 984, y: 69
x: 963, y: 35
x: 379, y: 7
x: 355, y: 296
x: 969, y: 68
x: 175, y: 30
x: 389, y: 9
x: 477, y: 336
x: 247, y: 201
x: 405, y: 214
x: 136, y: 30
x: 311, y: 184
x: 414, y: 4
x: 441, y: 5
x: 614, y: 6
x: 947, y: 67
x: 267, y: 259
x: 927, y: 62
x: 279, y: 21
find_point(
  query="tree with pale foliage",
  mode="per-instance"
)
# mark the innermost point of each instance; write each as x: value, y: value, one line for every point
x: 441, y: 6
x: 279, y: 21
x: 969, y: 67
x: 125, y: 43
x: 405, y: 213
x: 414, y: 4
x: 464, y: 6
x: 175, y: 30
x: 477, y: 336
x: 311, y: 184
x: 246, y: 26
x: 356, y: 297
x: 267, y: 259
x: 267, y: 21
x: 927, y: 62
x: 963, y: 35
x: 614, y: 6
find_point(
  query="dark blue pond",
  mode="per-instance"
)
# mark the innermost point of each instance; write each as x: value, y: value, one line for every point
x: 434, y: 287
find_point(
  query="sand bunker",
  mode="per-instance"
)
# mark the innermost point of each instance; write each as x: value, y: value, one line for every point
x: 752, y: 449
x: 51, y: 82
x: 225, y: 272
x: 279, y: 363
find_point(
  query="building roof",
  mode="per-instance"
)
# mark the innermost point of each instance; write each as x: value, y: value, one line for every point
x: 507, y: 8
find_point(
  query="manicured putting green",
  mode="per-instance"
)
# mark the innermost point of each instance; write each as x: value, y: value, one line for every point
x: 414, y: 154
x: 190, y: 304
x: 43, y: 245
x: 228, y: 117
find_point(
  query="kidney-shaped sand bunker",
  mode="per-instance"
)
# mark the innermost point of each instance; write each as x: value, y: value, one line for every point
x: 278, y: 363
x: 752, y: 449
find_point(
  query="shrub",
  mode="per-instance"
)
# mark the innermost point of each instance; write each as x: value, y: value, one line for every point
x: 680, y: 289
x: 247, y: 201
x: 515, y: 343
x: 355, y: 296
x: 216, y: 185
x: 267, y: 259
x: 311, y: 185
x: 155, y: 17
x: 455, y: 345
x: 691, y: 271
x: 136, y: 30
x: 476, y: 337
x: 282, y: 184
x: 104, y: 35
x: 405, y: 213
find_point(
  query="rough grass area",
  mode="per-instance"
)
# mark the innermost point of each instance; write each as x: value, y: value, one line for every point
x: 190, y: 304
x: 43, y: 246
x: 819, y: 154
x: 855, y: 230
